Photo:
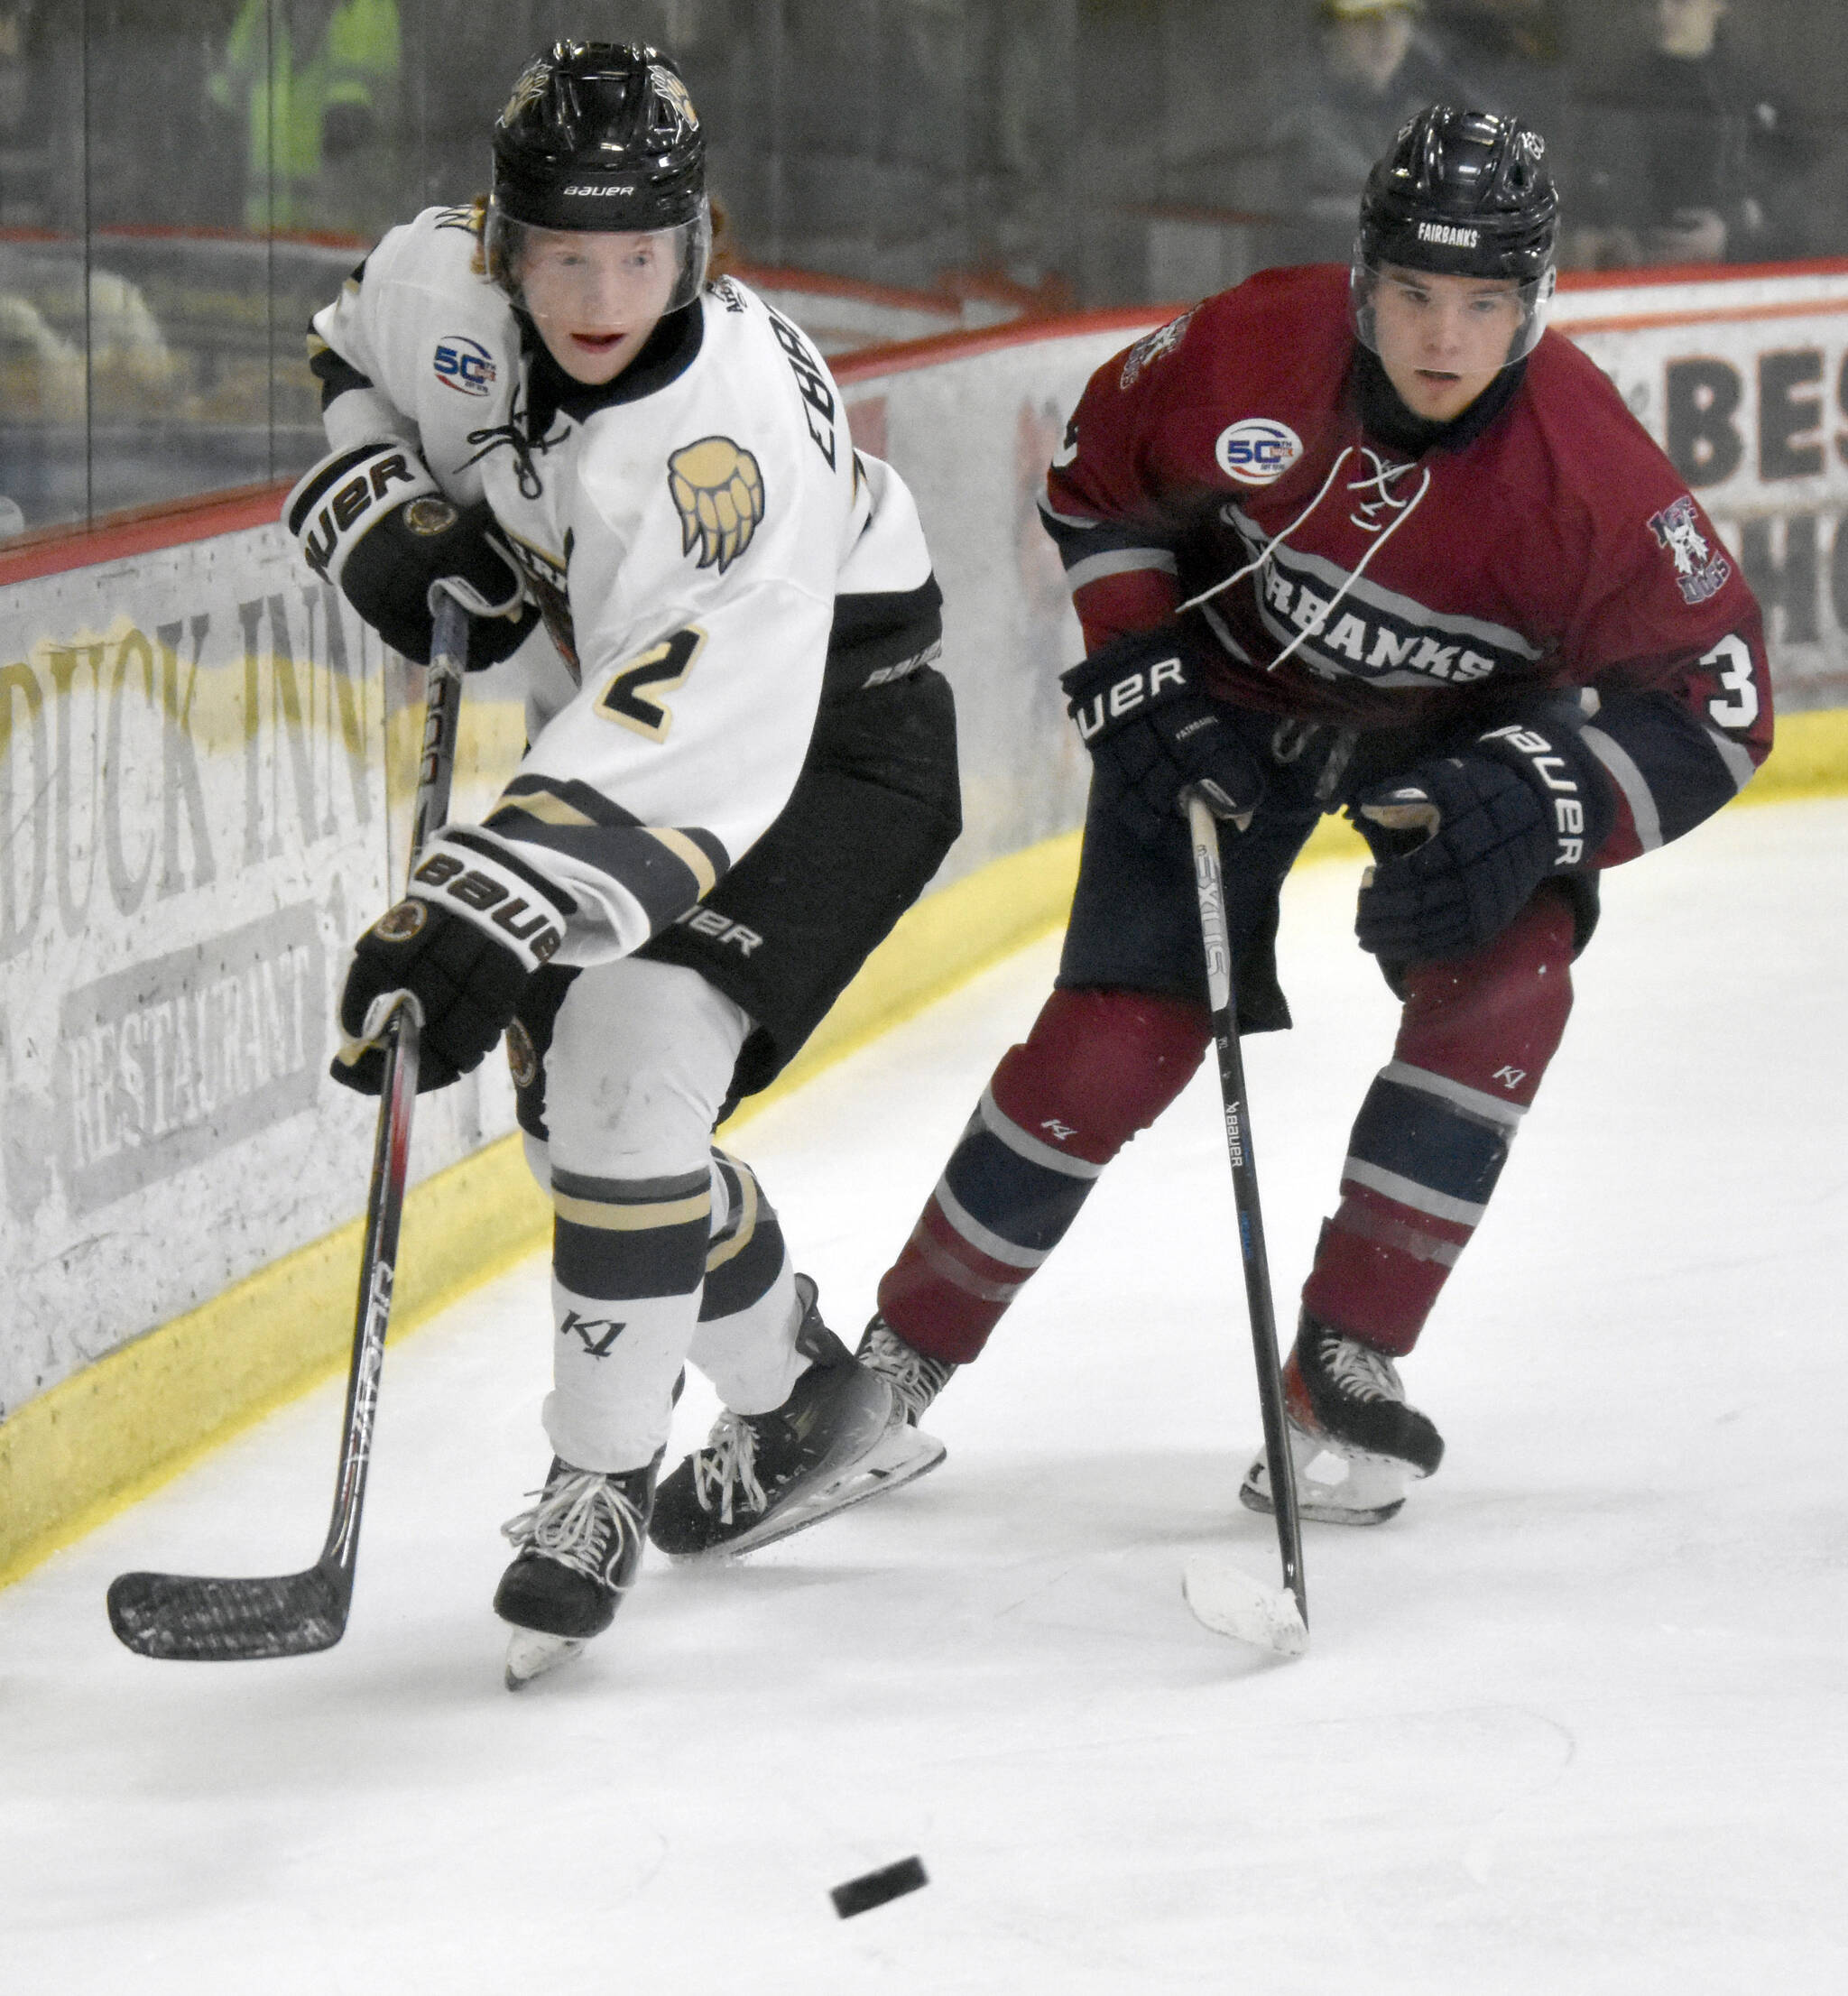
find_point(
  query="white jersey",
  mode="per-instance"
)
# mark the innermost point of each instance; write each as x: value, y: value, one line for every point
x: 686, y: 531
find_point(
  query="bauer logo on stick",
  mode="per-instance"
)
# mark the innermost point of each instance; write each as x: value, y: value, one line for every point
x: 1258, y: 450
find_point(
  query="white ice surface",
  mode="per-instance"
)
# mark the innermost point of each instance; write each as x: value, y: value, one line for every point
x: 1577, y: 1720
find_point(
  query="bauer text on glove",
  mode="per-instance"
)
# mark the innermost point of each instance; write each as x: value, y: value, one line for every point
x: 1462, y: 841
x: 474, y: 928
x: 375, y: 522
x: 1153, y: 732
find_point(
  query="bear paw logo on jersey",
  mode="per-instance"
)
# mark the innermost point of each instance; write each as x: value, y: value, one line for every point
x: 1699, y: 572
x: 1257, y: 450
x: 463, y: 364
x: 719, y: 490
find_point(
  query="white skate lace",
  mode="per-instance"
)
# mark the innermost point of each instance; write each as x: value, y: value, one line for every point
x: 574, y: 1518
x: 726, y: 1467
x: 915, y: 1378
x: 1360, y: 1371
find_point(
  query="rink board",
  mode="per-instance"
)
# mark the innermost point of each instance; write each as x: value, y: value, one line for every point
x: 203, y: 775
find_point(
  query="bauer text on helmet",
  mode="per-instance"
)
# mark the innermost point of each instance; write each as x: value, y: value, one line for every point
x: 600, y: 138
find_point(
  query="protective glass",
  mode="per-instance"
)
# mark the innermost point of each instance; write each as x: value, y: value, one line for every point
x: 1525, y: 315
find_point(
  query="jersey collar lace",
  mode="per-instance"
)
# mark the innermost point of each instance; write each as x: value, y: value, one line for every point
x: 1383, y: 415
x: 669, y: 352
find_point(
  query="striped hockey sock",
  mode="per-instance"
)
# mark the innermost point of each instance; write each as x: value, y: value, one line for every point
x: 1434, y: 1132
x: 628, y: 1261
x: 1097, y: 1066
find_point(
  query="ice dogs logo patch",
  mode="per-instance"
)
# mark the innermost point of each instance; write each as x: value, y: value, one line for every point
x: 463, y: 364
x: 1164, y: 340
x: 1258, y: 450
x: 718, y: 491
x: 1699, y: 572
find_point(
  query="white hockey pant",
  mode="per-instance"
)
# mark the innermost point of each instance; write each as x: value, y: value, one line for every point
x: 663, y: 1248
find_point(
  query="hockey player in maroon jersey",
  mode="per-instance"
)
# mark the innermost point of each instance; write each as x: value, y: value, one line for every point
x: 1374, y: 540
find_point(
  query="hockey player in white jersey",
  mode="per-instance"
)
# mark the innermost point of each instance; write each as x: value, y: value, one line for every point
x: 741, y: 770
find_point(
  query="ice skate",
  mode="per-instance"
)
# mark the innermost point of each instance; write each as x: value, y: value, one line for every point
x: 836, y: 1440
x: 916, y: 1380
x: 579, y: 1550
x: 1355, y: 1443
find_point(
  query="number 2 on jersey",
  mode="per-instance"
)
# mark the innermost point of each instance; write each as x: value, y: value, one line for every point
x: 1733, y: 657
x: 629, y: 697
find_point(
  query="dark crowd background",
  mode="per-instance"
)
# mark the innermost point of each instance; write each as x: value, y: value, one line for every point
x: 183, y: 181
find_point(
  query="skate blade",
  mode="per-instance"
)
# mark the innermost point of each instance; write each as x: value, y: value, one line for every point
x: 1255, y: 1497
x: 1232, y: 1604
x: 1333, y: 1486
x: 532, y: 1653
x: 899, y: 1455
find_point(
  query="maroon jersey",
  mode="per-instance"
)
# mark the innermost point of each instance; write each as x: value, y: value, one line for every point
x: 1551, y: 548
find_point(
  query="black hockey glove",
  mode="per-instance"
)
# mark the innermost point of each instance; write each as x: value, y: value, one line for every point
x: 472, y: 931
x: 375, y: 522
x: 1462, y: 841
x: 1153, y: 730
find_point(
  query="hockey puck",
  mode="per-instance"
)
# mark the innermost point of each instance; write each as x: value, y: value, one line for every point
x: 861, y: 1895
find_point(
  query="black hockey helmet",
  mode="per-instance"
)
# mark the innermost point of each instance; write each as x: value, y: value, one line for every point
x: 600, y: 135
x: 1466, y: 192
x: 1463, y: 194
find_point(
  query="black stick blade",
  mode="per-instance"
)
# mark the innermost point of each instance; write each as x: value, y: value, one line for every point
x: 191, y: 1618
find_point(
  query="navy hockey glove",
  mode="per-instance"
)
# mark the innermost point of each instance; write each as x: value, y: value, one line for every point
x: 1463, y: 841
x: 375, y: 522
x: 1153, y: 730
x: 472, y: 931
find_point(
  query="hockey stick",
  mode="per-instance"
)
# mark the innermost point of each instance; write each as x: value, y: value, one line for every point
x: 183, y: 1615
x: 1226, y: 1599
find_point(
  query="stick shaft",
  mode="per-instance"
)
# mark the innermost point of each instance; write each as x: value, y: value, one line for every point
x: 1222, y: 997
x: 180, y: 1615
x: 390, y: 1160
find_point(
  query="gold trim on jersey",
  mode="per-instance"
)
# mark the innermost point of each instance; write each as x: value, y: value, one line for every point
x: 688, y: 853
x: 547, y: 808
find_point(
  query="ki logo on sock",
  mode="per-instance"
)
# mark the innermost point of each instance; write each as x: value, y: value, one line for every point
x: 588, y: 1328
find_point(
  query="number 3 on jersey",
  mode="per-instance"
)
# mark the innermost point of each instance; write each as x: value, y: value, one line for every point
x: 629, y: 697
x: 1733, y: 656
